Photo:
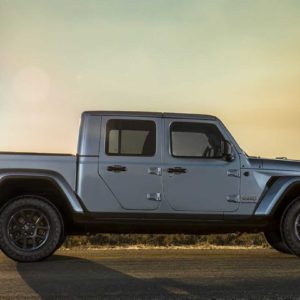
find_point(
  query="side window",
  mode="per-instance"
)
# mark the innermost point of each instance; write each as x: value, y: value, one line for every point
x: 200, y: 140
x: 130, y: 138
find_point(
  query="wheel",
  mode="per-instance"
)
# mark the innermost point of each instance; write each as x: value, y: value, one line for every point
x: 290, y: 226
x: 62, y: 240
x: 30, y: 229
x: 273, y: 237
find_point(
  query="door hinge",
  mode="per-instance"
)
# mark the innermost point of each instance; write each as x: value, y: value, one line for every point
x: 154, y: 196
x: 234, y: 173
x: 155, y: 171
x: 233, y: 198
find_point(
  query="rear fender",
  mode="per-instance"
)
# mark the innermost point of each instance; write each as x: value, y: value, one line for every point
x: 72, y: 199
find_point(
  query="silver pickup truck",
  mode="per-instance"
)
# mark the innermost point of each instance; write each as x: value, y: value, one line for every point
x: 138, y: 172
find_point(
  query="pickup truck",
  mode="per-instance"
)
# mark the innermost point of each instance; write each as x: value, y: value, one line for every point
x: 143, y: 172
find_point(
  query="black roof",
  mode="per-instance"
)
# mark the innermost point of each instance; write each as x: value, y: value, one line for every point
x: 150, y: 114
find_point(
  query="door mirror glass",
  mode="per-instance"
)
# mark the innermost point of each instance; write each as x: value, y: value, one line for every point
x: 228, y: 152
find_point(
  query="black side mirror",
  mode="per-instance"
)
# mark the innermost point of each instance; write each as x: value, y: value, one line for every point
x: 228, y: 152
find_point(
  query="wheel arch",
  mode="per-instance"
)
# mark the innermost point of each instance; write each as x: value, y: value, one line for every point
x: 278, y: 197
x: 49, y: 185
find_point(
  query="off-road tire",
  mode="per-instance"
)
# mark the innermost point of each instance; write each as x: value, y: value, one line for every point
x: 274, y: 238
x: 289, y: 231
x: 54, y: 223
x: 63, y: 238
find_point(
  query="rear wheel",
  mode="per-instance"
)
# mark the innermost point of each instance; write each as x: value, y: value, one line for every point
x: 63, y: 238
x: 30, y: 229
x: 290, y: 227
x: 274, y: 238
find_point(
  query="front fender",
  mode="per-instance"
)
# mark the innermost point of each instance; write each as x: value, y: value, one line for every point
x: 62, y: 184
x: 275, y: 195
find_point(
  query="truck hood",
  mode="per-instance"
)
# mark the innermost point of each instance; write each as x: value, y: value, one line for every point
x: 275, y: 164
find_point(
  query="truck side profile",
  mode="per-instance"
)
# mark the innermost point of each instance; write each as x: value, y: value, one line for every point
x: 142, y: 172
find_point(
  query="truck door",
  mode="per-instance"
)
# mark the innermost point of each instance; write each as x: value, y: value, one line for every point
x: 130, y: 160
x: 196, y: 177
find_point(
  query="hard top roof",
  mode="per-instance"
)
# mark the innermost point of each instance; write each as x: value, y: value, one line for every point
x: 150, y: 114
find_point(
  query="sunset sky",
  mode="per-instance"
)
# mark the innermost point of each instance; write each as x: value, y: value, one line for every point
x: 237, y: 59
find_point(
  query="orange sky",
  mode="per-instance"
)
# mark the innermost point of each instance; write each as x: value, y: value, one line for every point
x: 239, y: 60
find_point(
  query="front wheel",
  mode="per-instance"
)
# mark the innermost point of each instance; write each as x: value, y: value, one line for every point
x: 290, y: 226
x: 274, y: 238
x: 30, y: 229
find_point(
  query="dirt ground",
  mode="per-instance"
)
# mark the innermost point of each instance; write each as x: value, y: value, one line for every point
x: 154, y: 274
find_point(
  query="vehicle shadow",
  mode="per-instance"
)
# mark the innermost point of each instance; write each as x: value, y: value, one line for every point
x: 67, y: 277
x: 72, y: 277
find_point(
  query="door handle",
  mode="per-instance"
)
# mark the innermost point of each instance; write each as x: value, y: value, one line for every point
x: 176, y: 170
x: 116, y: 169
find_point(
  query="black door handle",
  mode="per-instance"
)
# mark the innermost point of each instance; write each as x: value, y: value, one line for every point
x: 116, y: 169
x: 177, y: 170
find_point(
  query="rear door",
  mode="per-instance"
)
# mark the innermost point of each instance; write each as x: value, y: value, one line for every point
x: 130, y: 159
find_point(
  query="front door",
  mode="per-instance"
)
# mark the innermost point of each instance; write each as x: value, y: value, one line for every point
x: 197, y: 177
x: 130, y: 161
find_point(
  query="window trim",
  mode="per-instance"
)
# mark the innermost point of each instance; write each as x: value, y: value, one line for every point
x: 106, y: 142
x: 192, y: 157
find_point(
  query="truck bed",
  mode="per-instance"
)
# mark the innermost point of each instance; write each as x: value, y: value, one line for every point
x: 64, y: 164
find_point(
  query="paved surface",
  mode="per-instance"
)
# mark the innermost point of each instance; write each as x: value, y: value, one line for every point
x: 154, y: 274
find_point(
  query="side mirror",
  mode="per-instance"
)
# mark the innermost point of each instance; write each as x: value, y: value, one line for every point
x: 228, y: 152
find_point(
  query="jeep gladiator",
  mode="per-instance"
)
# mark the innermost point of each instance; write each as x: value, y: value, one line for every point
x: 142, y: 172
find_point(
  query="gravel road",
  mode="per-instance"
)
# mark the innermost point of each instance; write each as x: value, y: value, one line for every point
x: 154, y: 274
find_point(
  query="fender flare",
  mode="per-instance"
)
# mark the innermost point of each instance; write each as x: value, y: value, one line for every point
x: 275, y: 195
x: 72, y: 199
